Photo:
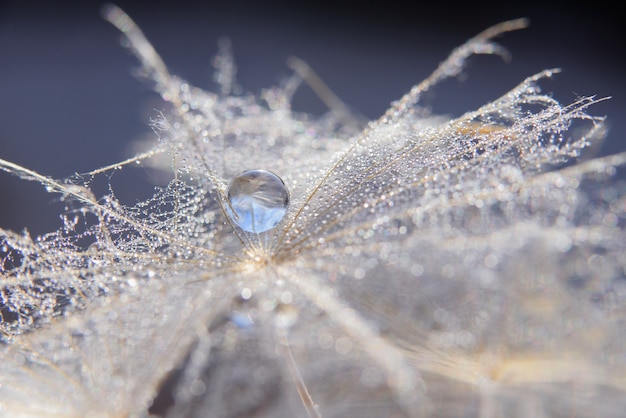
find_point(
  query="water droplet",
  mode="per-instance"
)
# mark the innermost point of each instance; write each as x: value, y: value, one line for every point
x: 242, y: 321
x: 258, y: 200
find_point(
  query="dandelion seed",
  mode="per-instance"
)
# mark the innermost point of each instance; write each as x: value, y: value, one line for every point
x: 425, y: 266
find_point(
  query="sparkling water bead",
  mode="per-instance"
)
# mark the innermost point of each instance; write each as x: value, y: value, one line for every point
x: 258, y: 200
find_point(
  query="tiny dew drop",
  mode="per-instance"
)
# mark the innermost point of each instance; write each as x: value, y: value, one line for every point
x: 257, y: 199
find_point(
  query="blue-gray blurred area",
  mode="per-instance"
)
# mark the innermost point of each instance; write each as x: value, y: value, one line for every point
x: 68, y: 101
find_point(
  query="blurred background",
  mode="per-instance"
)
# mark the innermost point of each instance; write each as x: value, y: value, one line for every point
x: 69, y: 103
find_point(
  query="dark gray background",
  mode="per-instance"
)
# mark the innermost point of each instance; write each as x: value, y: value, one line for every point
x: 68, y: 101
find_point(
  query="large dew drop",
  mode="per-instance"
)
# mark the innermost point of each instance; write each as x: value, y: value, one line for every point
x: 258, y: 200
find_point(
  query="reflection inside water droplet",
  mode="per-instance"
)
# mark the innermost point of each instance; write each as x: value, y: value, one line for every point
x: 258, y: 200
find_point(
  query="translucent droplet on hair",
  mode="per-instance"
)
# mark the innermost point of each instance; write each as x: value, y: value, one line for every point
x: 258, y: 200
